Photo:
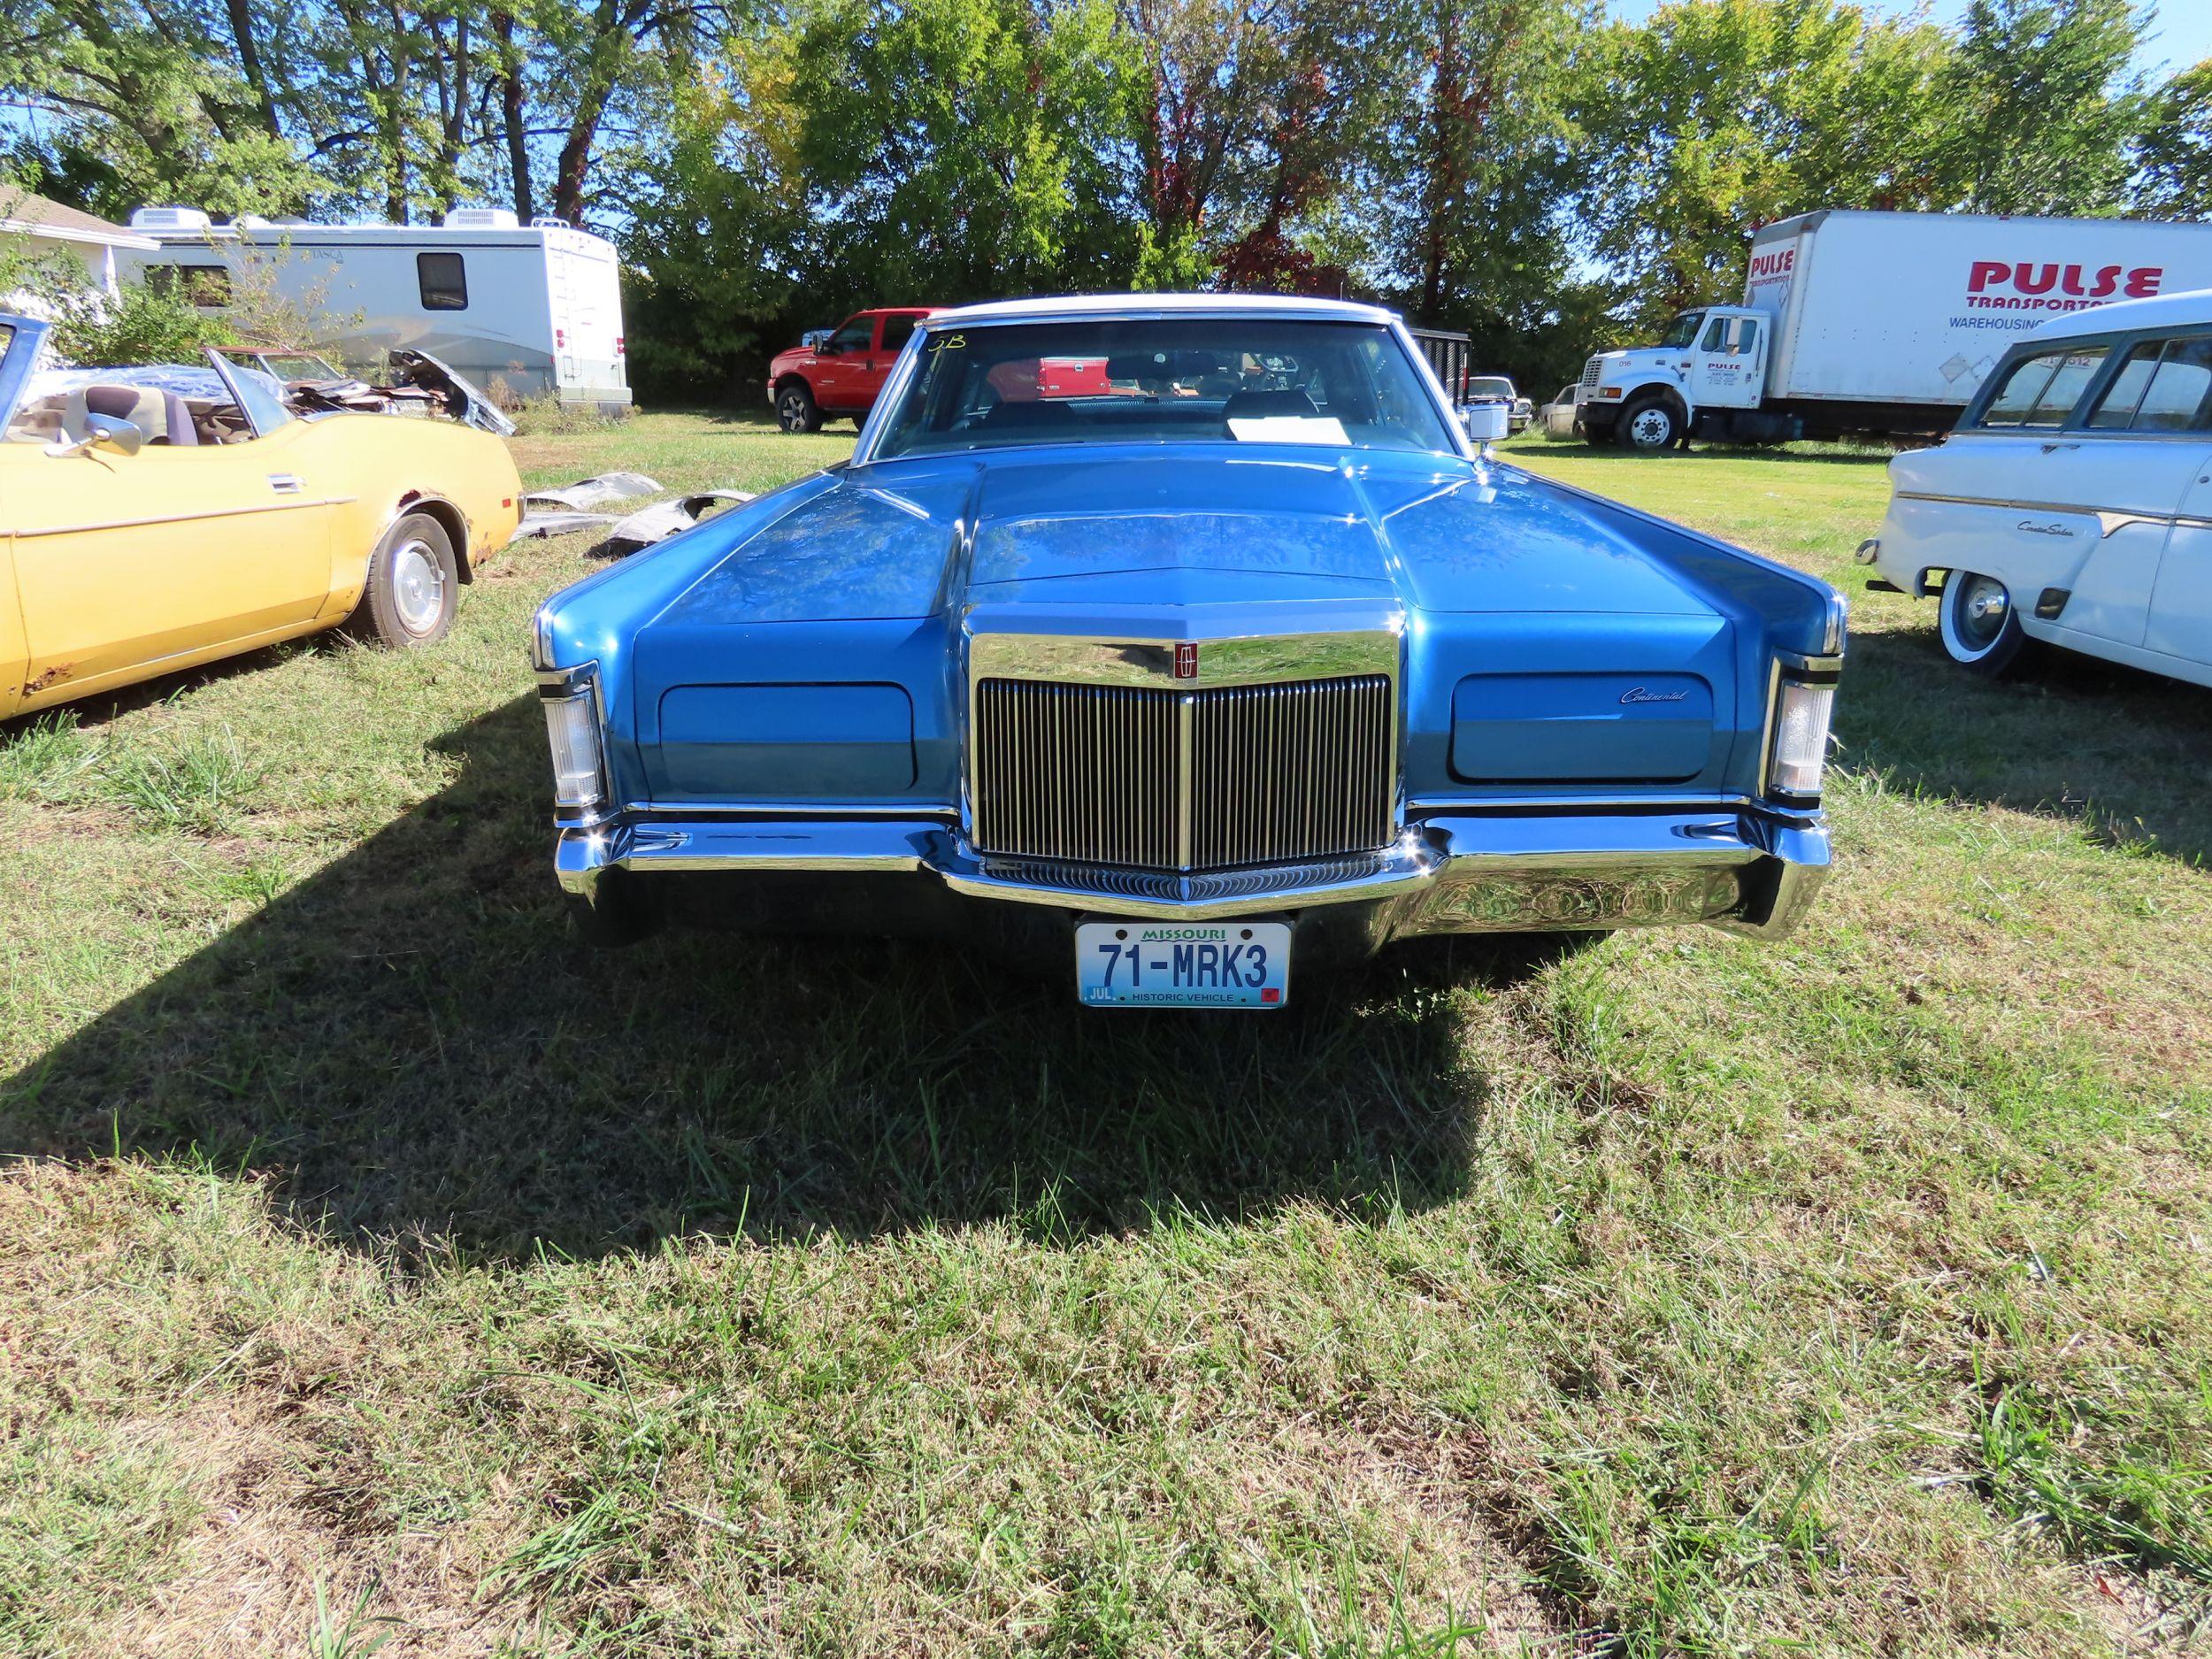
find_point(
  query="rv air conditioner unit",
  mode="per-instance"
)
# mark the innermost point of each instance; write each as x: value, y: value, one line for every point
x: 170, y: 218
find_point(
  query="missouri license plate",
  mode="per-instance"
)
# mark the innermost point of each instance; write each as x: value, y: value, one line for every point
x: 1183, y: 964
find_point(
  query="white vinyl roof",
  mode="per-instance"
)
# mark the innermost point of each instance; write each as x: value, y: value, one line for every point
x: 2190, y: 308
x: 1147, y: 305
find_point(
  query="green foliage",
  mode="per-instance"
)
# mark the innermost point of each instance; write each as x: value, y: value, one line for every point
x: 1722, y: 115
x: 2175, y: 151
x: 137, y: 324
x: 1524, y: 170
x: 2039, y: 107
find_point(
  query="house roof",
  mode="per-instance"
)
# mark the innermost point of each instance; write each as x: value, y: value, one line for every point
x: 28, y: 215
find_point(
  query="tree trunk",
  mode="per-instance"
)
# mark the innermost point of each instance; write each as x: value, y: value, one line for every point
x: 512, y: 105
x: 575, y: 160
x: 249, y: 62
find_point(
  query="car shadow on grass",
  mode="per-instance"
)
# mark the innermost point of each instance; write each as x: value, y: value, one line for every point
x: 410, y: 1046
x: 2128, y: 754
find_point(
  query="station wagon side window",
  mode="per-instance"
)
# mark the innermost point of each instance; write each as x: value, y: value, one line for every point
x: 2162, y: 387
x: 443, y: 281
x: 2041, y: 390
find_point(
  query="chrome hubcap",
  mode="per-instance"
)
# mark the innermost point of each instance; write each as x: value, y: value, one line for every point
x: 793, y: 414
x: 1983, y: 607
x: 418, y: 586
x: 1651, y: 426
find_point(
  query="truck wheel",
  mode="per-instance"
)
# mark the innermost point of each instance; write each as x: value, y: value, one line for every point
x: 1980, y: 628
x: 795, y: 409
x: 413, y: 585
x: 1649, y: 426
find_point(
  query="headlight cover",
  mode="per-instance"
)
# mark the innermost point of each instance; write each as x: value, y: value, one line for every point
x: 1802, y: 710
x: 571, y: 731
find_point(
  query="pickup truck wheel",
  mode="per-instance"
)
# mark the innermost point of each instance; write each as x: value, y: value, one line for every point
x: 1980, y: 628
x: 1649, y: 426
x: 796, y: 410
x: 414, y: 582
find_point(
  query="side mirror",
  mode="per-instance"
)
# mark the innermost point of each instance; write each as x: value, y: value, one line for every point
x: 101, y: 432
x: 1485, y: 423
x: 828, y: 347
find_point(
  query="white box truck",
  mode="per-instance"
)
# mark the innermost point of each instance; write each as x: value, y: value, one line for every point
x: 523, y: 310
x: 1861, y: 322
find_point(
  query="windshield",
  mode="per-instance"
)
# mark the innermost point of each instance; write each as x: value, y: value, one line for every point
x: 1191, y: 380
x: 1489, y: 385
x: 291, y: 365
x: 1682, y: 330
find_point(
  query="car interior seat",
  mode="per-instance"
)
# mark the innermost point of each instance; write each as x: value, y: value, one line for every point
x: 142, y: 406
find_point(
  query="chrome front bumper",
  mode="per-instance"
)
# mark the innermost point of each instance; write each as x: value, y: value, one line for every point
x: 1747, y: 869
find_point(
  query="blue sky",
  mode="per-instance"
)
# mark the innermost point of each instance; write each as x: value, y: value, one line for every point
x: 2182, y: 34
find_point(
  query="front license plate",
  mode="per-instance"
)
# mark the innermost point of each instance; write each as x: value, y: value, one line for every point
x: 1183, y: 964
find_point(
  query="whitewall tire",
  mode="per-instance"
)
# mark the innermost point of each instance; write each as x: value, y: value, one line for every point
x: 1980, y: 624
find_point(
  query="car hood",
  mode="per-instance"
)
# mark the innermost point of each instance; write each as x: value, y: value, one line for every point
x: 1137, y: 526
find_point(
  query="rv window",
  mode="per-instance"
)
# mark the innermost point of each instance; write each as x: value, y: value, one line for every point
x: 206, y: 287
x: 443, y: 283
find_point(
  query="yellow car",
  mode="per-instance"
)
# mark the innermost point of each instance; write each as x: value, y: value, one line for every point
x: 155, y: 518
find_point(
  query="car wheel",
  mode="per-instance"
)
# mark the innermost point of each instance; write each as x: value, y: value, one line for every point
x: 1980, y: 628
x: 414, y: 584
x: 795, y: 409
x: 1649, y: 427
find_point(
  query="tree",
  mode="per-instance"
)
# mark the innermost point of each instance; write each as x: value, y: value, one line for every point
x: 1718, y: 115
x: 2040, y: 107
x: 128, y: 105
x: 2174, y: 153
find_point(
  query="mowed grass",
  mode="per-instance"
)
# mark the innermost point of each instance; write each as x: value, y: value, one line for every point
x: 383, y: 1269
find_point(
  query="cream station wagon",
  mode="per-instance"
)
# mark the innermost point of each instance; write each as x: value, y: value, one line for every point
x: 2073, y: 505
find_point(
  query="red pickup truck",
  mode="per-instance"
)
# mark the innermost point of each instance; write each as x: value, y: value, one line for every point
x: 808, y: 385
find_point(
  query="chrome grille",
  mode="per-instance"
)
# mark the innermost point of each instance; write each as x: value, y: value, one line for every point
x: 1163, y: 779
x: 1077, y: 771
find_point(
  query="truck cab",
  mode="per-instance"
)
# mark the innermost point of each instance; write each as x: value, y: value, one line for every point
x: 1705, y: 377
x: 842, y: 372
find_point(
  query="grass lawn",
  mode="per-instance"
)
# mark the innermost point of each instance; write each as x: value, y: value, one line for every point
x: 387, y: 1269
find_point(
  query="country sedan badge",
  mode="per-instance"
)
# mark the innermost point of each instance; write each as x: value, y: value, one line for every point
x: 1185, y: 635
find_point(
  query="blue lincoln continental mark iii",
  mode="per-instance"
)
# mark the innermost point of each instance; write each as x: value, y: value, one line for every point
x: 1185, y: 636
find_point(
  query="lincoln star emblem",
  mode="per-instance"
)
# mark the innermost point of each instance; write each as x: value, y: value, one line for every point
x: 1186, y: 659
x: 1640, y: 694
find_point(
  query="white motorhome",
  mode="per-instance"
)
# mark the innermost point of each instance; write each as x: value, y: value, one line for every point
x: 524, y: 311
x: 1861, y: 322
